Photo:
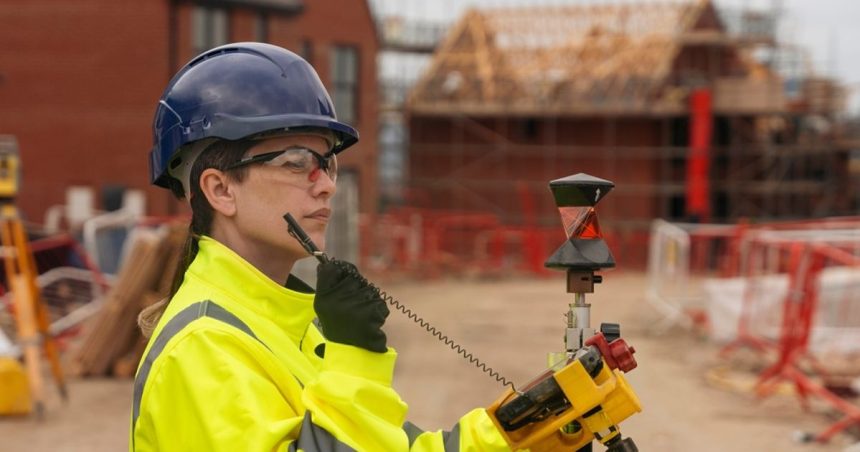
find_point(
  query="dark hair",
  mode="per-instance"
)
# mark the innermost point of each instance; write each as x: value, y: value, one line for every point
x: 218, y: 155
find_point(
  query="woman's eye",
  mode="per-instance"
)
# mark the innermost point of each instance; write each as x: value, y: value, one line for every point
x: 296, y: 166
x: 296, y: 163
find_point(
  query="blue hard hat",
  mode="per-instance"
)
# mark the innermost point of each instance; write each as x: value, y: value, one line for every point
x: 237, y: 91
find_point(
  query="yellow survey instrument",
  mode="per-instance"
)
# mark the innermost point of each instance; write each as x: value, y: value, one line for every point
x: 31, y: 315
x: 585, y: 395
x: 569, y: 407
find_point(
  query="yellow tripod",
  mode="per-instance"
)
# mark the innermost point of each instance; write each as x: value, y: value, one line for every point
x: 31, y: 314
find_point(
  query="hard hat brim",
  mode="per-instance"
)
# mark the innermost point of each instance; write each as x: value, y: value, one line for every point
x: 229, y: 127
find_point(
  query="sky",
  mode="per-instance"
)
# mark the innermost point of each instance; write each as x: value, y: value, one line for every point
x: 828, y: 28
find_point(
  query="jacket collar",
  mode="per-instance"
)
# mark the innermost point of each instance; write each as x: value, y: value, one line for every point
x: 246, y: 286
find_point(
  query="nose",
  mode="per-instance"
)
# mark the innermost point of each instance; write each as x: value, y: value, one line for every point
x: 324, y: 186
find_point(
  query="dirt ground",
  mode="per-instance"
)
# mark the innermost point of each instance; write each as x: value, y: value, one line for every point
x: 510, y: 324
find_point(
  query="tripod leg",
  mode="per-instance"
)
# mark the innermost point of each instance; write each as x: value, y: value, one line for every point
x: 28, y: 267
x: 29, y: 339
x: 25, y: 322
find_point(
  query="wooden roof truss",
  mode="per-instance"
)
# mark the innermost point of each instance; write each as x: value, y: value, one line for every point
x: 561, y: 59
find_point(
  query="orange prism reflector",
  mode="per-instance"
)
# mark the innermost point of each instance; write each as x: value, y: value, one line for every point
x: 580, y: 222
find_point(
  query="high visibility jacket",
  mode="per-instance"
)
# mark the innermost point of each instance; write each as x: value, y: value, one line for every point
x: 236, y: 364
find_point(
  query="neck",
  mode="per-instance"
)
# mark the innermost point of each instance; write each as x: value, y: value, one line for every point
x: 271, y: 261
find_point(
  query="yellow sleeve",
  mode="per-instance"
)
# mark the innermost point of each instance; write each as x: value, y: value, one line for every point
x: 353, y: 400
x: 473, y: 432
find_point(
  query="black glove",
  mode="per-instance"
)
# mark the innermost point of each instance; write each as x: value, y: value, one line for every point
x: 350, y: 310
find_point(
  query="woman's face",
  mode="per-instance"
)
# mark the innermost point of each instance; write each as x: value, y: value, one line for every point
x: 268, y: 192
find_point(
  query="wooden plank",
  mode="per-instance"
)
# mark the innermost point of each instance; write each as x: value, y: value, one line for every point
x: 149, y: 269
x: 113, y: 329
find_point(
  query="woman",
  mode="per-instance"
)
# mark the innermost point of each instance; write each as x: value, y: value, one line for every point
x: 247, y: 133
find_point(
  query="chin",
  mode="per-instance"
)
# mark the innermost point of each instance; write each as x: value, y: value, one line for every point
x: 319, y: 240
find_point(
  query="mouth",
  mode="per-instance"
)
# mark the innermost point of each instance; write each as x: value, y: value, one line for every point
x: 320, y: 214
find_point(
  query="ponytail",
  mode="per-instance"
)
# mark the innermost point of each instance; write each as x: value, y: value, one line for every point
x: 150, y: 315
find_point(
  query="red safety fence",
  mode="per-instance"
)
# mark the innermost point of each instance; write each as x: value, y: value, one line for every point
x: 431, y: 243
x: 804, y: 256
x: 789, y: 291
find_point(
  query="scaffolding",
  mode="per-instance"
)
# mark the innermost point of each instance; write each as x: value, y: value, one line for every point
x: 605, y: 88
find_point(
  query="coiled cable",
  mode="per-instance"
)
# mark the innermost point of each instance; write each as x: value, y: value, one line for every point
x: 435, y: 332
x: 296, y: 231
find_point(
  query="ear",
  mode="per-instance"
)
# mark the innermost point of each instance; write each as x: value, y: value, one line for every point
x: 219, y: 191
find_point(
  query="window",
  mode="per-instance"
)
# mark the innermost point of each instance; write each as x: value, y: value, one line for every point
x: 210, y: 28
x: 261, y: 27
x: 344, y: 77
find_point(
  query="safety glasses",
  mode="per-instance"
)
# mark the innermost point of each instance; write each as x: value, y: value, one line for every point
x: 297, y: 160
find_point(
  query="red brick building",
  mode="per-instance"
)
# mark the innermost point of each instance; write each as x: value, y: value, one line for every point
x: 79, y: 81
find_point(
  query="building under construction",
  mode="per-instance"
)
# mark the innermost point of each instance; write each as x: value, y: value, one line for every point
x: 681, y: 112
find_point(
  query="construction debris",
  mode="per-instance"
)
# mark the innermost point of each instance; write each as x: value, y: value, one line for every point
x: 113, y: 343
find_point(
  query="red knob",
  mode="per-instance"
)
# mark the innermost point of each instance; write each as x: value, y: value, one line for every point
x: 623, y: 355
x: 617, y: 354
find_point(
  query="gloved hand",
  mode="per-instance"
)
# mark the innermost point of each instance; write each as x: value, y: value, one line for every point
x: 350, y: 310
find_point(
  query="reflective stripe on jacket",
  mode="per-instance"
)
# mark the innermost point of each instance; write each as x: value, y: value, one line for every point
x: 234, y: 365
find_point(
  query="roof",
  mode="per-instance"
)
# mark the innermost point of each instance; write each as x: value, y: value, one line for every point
x: 563, y: 59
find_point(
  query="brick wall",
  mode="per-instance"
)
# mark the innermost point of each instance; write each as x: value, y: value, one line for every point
x: 79, y: 81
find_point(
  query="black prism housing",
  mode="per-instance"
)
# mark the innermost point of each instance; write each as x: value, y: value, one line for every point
x: 580, y: 190
x: 581, y: 254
